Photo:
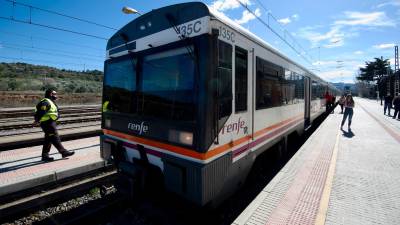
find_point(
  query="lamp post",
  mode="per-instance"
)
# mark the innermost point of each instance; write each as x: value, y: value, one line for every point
x: 129, y: 10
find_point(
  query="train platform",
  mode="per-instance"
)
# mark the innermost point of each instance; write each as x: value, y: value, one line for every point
x: 337, y: 176
x: 21, y: 169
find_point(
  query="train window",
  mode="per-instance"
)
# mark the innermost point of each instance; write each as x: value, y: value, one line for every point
x: 288, y: 86
x: 268, y: 84
x: 119, y: 84
x: 318, y: 90
x: 225, y: 79
x: 314, y: 90
x: 167, y: 85
x: 299, y: 92
x: 240, y: 79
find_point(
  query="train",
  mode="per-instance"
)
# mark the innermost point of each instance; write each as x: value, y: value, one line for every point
x: 191, y: 99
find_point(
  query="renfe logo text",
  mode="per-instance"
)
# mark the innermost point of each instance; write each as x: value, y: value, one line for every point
x: 141, y: 128
x: 235, y: 127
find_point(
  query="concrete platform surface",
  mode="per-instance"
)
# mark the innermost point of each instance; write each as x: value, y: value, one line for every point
x: 22, y: 168
x: 337, y: 176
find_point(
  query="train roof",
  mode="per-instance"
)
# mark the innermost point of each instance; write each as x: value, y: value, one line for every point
x: 224, y: 19
x: 183, y: 12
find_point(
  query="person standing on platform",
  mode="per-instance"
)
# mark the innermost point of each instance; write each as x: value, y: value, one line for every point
x: 348, y: 111
x: 341, y: 103
x: 328, y: 101
x: 396, y: 105
x: 46, y: 114
x: 387, y: 104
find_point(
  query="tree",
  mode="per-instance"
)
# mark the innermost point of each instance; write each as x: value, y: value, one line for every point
x: 374, y: 71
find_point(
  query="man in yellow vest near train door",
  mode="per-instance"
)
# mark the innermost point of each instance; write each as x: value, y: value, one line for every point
x: 46, y: 113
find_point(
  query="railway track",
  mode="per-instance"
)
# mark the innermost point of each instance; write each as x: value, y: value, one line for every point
x: 163, y: 208
x: 6, y: 113
x: 22, y: 204
x: 17, y: 129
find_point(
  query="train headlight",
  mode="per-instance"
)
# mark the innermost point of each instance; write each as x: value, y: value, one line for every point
x: 182, y: 137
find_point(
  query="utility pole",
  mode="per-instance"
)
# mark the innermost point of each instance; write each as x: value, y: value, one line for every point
x: 396, y: 70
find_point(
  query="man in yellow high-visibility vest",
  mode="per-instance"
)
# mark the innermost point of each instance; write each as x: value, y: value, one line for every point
x: 46, y: 113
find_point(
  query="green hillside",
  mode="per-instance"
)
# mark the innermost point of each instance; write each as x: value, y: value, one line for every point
x: 28, y: 77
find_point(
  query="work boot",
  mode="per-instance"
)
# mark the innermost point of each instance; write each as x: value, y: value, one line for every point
x: 47, y: 158
x: 67, y: 153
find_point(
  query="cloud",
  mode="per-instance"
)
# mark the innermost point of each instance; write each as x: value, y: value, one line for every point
x: 223, y: 5
x: 358, y: 52
x: 373, y: 19
x: 285, y: 21
x: 295, y: 17
x: 337, y: 74
x: 344, y: 28
x: 333, y: 38
x: 384, y: 46
x: 247, y: 16
x: 326, y: 63
x: 389, y: 3
x: 288, y: 20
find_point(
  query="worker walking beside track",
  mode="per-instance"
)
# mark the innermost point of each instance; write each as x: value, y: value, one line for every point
x: 46, y: 113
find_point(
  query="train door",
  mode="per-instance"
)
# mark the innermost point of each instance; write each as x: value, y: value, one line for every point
x: 242, y: 94
x: 307, y: 105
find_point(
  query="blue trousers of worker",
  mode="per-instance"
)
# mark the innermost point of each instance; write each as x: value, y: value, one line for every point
x: 347, y: 112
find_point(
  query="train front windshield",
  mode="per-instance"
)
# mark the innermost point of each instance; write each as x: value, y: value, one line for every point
x: 159, y: 85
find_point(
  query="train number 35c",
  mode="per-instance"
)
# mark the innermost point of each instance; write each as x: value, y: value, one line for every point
x: 190, y: 28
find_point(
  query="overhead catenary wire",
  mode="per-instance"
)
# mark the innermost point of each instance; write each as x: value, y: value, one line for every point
x: 52, y: 50
x: 50, y: 53
x: 54, y: 28
x: 60, y: 14
x: 267, y: 24
x: 33, y: 37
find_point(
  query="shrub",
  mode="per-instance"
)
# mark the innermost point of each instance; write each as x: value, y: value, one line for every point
x: 12, y: 84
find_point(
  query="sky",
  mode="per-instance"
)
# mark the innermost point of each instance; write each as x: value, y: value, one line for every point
x: 331, y: 38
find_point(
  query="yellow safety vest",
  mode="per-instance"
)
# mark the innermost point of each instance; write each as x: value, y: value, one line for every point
x: 52, y: 113
x: 105, y: 106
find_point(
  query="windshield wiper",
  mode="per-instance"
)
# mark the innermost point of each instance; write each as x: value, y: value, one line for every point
x: 172, y: 21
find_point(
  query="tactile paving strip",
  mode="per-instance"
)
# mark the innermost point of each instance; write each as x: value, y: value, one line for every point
x: 293, y: 196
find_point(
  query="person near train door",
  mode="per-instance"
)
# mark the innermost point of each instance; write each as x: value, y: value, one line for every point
x: 328, y: 101
x: 46, y: 114
x: 396, y: 105
x: 348, y: 111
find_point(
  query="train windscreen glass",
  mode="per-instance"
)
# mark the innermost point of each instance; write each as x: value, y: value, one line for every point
x: 168, y: 85
x: 120, y: 84
x: 162, y: 87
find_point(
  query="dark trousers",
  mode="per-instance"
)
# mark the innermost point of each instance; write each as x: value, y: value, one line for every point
x: 388, y: 107
x: 341, y: 107
x: 347, y: 112
x: 396, y: 110
x: 49, y: 128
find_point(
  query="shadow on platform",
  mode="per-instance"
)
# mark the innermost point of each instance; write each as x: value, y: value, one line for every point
x: 348, y: 134
x: 35, y: 162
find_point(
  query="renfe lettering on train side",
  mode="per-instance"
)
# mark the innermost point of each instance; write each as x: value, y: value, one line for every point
x: 235, y: 127
x: 141, y: 128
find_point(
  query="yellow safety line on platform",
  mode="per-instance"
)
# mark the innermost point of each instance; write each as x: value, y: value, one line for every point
x: 324, y: 203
